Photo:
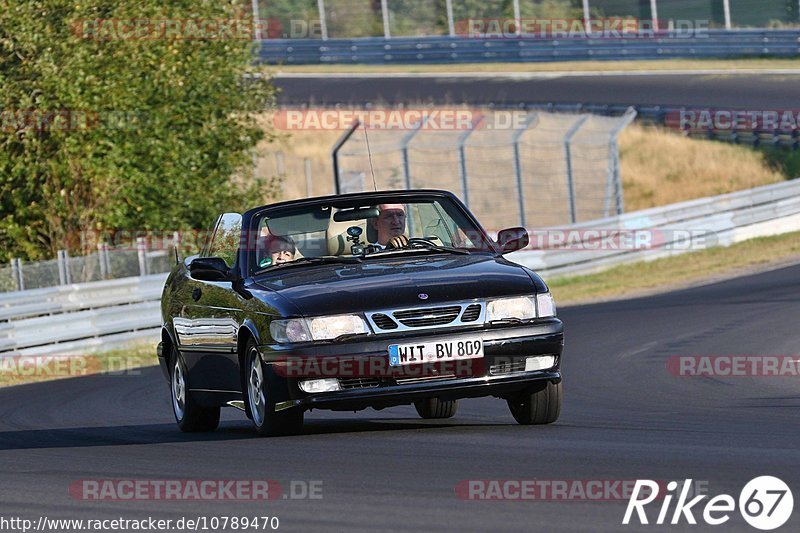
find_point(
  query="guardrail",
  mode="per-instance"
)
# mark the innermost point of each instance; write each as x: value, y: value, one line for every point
x: 706, y: 44
x: 80, y: 316
x: 670, y: 230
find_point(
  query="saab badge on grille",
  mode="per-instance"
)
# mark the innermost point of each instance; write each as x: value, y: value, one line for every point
x: 422, y: 296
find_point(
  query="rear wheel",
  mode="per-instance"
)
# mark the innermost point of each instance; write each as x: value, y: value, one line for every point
x: 541, y: 407
x: 431, y: 408
x: 263, y: 389
x: 190, y: 416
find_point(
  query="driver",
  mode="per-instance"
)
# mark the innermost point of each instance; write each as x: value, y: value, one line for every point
x: 391, y: 226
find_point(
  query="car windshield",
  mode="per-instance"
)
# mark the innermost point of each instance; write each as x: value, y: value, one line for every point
x: 365, y: 229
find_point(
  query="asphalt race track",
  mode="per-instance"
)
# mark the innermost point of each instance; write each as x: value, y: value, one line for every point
x: 625, y: 417
x: 735, y: 91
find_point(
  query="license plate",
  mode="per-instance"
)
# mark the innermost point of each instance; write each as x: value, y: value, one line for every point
x: 434, y: 352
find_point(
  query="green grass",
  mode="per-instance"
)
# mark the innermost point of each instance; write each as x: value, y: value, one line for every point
x: 683, y: 270
x: 783, y: 160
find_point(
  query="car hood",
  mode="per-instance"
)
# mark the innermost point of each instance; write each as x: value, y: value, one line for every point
x: 390, y: 283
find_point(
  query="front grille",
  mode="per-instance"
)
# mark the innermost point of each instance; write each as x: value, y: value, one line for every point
x: 384, y: 321
x: 433, y: 316
x: 472, y: 313
x: 406, y: 381
x: 507, y: 367
x: 358, y: 383
x: 447, y: 316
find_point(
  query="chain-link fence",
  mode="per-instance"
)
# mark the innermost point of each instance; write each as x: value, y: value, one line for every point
x: 323, y: 19
x: 548, y: 169
x: 106, y: 263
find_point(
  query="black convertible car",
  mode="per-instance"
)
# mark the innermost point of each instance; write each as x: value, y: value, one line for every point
x: 354, y: 301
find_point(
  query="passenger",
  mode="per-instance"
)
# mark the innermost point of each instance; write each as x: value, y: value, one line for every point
x: 279, y: 249
x: 391, y: 226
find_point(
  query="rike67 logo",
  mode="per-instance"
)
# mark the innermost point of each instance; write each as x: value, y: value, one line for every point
x: 765, y: 503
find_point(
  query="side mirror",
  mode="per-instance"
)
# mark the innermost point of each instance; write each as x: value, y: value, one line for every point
x: 513, y: 239
x: 210, y: 269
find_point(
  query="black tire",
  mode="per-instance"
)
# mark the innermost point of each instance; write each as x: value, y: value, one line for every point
x: 262, y: 390
x: 190, y: 416
x: 541, y: 407
x: 431, y: 408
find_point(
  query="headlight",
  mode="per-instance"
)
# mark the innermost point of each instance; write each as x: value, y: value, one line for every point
x: 546, y: 305
x: 521, y: 308
x: 317, y: 329
x: 292, y: 330
x: 330, y: 327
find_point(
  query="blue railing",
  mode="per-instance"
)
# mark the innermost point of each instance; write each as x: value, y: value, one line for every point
x: 375, y: 50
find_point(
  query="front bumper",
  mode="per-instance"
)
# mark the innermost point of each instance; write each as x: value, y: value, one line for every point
x: 445, y: 389
x: 508, y: 345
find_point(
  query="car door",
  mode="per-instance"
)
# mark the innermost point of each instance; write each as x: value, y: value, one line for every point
x: 208, y: 326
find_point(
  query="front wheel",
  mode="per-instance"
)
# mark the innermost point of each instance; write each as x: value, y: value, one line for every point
x: 541, y: 407
x: 262, y: 387
x: 432, y: 408
x: 190, y: 416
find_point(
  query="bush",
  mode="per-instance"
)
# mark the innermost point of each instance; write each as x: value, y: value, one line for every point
x: 103, y: 132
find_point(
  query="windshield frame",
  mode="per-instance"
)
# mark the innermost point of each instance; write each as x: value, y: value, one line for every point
x: 254, y: 217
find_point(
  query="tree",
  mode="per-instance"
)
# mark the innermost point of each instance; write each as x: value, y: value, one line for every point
x: 101, y: 129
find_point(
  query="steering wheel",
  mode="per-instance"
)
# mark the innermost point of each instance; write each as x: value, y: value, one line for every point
x: 422, y: 241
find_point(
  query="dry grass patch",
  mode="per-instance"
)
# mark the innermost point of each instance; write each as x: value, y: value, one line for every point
x: 661, y: 167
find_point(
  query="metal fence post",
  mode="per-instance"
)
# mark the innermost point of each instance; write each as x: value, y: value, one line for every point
x: 387, y: 34
x: 450, y: 24
x: 280, y: 166
x: 614, y: 180
x: 407, y: 138
x: 101, y: 261
x: 518, y: 166
x: 462, y: 161
x: 256, y: 21
x: 517, y: 19
x: 309, y: 181
x: 323, y: 24
x: 587, y: 17
x: 63, y: 268
x: 16, y: 272
x: 335, y: 153
x: 107, y: 259
x: 726, y: 5
x: 176, y: 245
x: 141, y: 248
x: 568, y: 159
x: 654, y: 14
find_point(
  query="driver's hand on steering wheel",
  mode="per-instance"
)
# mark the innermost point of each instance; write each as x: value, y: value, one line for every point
x: 400, y: 241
